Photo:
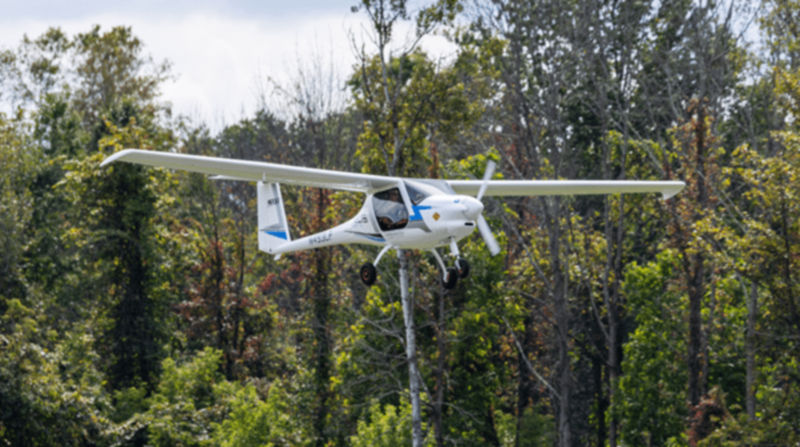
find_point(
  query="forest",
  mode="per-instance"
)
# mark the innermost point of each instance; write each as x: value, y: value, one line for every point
x: 136, y: 310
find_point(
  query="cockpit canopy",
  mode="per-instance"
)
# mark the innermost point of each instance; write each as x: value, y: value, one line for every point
x: 390, y: 209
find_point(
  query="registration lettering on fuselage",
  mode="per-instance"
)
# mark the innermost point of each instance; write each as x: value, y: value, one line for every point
x: 320, y: 238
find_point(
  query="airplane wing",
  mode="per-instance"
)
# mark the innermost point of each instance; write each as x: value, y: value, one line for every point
x: 230, y: 169
x: 566, y: 187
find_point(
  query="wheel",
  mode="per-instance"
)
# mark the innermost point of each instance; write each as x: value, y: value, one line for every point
x: 450, y: 278
x: 463, y: 267
x: 368, y: 274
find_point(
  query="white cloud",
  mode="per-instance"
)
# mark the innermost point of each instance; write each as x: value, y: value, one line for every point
x: 221, y: 62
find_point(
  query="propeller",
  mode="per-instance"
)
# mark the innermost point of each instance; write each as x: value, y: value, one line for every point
x: 483, y: 226
x: 487, y: 175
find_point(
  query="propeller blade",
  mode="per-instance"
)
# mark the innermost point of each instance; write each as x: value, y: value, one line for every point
x: 486, y: 176
x: 488, y: 237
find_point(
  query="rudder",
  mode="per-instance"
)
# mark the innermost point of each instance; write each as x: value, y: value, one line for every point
x: 273, y: 229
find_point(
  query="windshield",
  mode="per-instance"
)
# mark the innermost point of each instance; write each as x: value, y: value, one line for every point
x: 416, y: 194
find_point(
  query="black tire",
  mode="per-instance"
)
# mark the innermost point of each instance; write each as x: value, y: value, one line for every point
x: 450, y: 278
x: 368, y: 274
x: 463, y: 267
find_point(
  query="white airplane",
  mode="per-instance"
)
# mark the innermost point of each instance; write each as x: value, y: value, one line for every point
x: 398, y: 213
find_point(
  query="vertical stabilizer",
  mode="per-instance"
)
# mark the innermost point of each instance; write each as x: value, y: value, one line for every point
x: 273, y: 230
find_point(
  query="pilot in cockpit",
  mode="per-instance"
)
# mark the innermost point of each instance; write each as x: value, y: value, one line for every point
x: 390, y: 209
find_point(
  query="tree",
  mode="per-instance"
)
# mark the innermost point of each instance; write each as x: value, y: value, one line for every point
x: 15, y: 207
x: 403, y: 99
x: 387, y: 425
x: 654, y: 369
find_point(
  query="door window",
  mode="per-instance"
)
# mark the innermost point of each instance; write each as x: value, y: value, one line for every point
x: 390, y: 211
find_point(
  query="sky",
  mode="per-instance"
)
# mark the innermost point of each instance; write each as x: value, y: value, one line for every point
x: 227, y: 56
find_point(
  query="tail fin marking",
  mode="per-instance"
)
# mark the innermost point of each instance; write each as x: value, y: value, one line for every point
x: 273, y: 229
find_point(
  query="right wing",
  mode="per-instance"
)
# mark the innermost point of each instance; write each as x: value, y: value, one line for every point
x: 566, y: 187
x: 226, y: 168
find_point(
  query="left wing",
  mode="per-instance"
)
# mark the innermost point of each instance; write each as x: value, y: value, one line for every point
x: 226, y: 168
x: 565, y: 187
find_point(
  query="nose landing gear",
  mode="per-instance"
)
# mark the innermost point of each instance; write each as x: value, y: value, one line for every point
x: 450, y: 278
x: 463, y: 267
x: 450, y: 275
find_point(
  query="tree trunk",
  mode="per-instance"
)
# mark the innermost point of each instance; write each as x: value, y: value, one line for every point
x: 441, y: 365
x: 564, y: 373
x: 525, y: 386
x: 750, y: 350
x: 611, y: 290
x: 613, y: 369
x: 321, y: 303
x: 697, y: 271
x: 562, y: 318
x: 411, y: 354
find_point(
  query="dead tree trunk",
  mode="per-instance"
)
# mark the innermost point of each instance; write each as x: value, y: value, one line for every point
x: 750, y: 350
x: 411, y: 351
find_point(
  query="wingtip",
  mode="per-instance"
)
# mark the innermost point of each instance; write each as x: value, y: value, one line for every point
x: 116, y: 156
x: 673, y: 190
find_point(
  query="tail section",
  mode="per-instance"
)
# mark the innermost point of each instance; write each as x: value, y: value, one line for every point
x: 273, y: 229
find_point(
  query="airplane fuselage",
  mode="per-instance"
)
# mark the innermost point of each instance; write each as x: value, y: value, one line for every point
x: 408, y: 216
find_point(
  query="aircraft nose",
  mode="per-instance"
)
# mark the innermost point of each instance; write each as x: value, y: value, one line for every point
x: 472, y: 207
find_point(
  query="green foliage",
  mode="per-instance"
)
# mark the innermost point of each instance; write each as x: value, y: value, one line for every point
x: 652, y: 391
x: 423, y: 101
x: 193, y: 405
x: 58, y: 126
x: 253, y: 421
x: 111, y: 70
x: 775, y: 425
x: 51, y: 396
x: 15, y: 207
x: 183, y: 406
x: 536, y: 427
x: 385, y: 426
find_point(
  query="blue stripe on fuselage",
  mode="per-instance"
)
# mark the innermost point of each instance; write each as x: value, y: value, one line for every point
x: 372, y: 237
x: 417, y: 209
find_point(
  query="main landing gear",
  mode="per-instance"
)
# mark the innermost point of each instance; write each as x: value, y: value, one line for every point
x: 368, y: 271
x: 450, y: 275
x: 368, y: 274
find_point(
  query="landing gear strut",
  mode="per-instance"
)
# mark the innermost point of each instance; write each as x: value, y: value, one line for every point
x: 450, y: 278
x: 461, y: 264
x: 463, y: 267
